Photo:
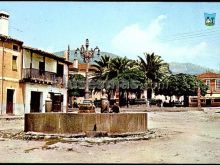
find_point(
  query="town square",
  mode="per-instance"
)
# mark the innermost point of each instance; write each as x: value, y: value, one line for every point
x: 109, y: 82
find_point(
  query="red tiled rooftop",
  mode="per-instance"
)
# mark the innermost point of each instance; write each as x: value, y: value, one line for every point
x: 209, y: 75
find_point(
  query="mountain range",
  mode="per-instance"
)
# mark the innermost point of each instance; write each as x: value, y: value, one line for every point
x: 175, y: 67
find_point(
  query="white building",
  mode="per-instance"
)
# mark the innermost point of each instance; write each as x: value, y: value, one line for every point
x: 44, y: 75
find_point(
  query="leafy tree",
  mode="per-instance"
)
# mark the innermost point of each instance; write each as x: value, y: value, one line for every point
x: 182, y: 85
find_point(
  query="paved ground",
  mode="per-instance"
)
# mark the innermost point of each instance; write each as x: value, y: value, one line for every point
x: 184, y: 137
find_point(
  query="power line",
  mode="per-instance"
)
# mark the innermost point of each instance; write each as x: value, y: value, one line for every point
x: 191, y: 37
x: 195, y: 34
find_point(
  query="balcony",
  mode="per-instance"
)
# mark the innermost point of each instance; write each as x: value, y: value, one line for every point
x: 50, y: 78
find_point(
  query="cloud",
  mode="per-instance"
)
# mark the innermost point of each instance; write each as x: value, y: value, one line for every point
x: 134, y: 40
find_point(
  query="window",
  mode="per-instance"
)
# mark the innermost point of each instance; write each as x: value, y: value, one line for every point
x: 217, y: 85
x: 14, y: 63
x: 207, y: 82
x: 15, y: 47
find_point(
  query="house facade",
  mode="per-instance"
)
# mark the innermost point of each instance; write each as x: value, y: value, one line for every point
x: 212, y: 97
x: 44, y: 76
x: 30, y: 77
x: 11, y: 91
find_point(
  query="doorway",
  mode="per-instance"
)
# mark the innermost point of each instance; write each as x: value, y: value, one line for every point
x: 10, y: 98
x: 35, y: 101
x: 57, y: 100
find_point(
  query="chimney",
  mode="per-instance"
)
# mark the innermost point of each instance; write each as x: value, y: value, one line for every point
x: 4, y: 16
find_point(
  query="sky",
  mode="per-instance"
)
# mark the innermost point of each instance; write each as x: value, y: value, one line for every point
x: 174, y: 30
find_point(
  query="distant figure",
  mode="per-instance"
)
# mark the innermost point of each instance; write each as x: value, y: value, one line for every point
x: 115, y: 108
x: 104, y: 105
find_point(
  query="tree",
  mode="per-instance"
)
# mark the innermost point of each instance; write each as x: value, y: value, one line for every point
x: 118, y: 73
x: 131, y: 79
x: 154, y: 68
x: 182, y: 85
x: 117, y: 67
x: 76, y: 85
x: 101, y: 74
x: 101, y: 68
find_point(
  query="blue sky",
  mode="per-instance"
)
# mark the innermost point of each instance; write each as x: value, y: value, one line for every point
x: 174, y: 30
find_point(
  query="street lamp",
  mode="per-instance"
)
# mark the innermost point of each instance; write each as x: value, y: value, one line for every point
x: 86, y: 55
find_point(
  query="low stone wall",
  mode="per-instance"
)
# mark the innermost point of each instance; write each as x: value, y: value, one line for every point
x: 71, y: 123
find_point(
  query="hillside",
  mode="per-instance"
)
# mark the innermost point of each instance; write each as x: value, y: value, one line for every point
x: 175, y: 67
x: 188, y: 68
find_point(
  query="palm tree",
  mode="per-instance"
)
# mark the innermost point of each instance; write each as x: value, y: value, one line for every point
x: 115, y: 72
x: 125, y: 71
x: 101, y: 67
x: 154, y: 68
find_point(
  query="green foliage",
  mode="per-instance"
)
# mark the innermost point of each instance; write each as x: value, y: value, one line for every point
x: 101, y: 68
x: 118, y: 73
x: 154, y: 67
x: 181, y: 85
x: 76, y: 85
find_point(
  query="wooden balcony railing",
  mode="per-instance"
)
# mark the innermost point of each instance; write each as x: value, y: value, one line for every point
x: 34, y: 75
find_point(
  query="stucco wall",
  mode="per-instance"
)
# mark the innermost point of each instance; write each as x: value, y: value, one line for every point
x: 18, y: 106
x: 45, y: 89
x: 7, y: 63
x: 35, y: 60
x: 26, y: 58
x: 50, y: 64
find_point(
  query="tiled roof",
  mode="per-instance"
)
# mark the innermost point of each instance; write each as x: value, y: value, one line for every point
x: 51, y: 55
x: 209, y: 75
x: 3, y: 37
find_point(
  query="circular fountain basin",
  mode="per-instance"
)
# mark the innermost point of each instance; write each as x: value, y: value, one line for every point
x: 78, y: 123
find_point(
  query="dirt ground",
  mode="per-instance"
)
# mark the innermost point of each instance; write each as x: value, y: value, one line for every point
x: 185, y: 137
